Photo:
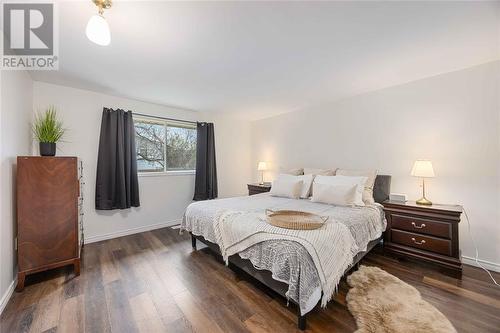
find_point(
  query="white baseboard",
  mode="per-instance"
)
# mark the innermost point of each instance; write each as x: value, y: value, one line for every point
x: 6, y: 296
x: 492, y: 266
x: 131, y: 231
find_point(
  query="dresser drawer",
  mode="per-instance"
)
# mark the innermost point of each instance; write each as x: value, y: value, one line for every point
x: 421, y: 225
x: 418, y: 241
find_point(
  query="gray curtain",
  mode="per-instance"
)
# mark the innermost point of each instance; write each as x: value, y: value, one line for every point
x: 117, y: 186
x: 206, y: 171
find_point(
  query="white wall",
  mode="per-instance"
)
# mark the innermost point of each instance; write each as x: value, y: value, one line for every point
x: 232, y: 148
x: 163, y: 198
x: 452, y: 119
x: 15, y: 118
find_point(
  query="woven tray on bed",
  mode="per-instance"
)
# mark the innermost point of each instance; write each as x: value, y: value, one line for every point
x: 293, y: 219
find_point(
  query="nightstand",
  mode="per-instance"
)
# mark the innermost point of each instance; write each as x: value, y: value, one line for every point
x: 256, y: 188
x: 428, y: 233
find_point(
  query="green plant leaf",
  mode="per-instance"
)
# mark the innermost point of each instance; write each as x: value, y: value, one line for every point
x: 46, y: 126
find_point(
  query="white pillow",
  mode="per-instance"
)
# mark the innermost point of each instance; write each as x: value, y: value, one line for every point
x: 293, y: 172
x: 345, y: 180
x: 340, y: 195
x: 307, y: 180
x: 370, y: 183
x: 322, y: 172
x: 288, y: 188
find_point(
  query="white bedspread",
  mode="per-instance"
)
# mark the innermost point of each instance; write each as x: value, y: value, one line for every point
x: 360, y: 225
x: 332, y: 247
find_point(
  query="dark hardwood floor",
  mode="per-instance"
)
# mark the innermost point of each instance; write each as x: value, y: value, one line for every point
x: 154, y: 282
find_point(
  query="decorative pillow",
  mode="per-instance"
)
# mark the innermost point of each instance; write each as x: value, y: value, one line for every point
x: 344, y: 180
x: 287, y: 188
x: 307, y: 180
x: 370, y: 183
x: 340, y: 195
x: 293, y: 172
x: 321, y: 172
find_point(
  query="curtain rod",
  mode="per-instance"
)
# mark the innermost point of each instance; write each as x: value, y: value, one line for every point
x: 164, y: 118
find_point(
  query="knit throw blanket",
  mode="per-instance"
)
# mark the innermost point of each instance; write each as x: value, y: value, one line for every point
x: 332, y: 247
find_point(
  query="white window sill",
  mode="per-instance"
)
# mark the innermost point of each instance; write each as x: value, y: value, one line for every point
x: 167, y: 173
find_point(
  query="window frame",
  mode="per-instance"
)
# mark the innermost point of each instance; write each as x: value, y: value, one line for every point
x: 166, y: 123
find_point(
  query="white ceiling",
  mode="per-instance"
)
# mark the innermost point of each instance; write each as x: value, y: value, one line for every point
x: 258, y: 59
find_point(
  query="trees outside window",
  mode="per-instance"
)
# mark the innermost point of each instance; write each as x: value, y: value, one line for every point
x: 164, y: 146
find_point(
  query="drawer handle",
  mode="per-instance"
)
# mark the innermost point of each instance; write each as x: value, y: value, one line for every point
x: 418, y: 243
x: 418, y: 227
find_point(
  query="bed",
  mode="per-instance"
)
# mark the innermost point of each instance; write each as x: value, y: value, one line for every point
x: 285, y: 265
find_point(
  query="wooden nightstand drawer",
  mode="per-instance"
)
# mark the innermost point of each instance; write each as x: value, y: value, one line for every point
x: 258, y: 188
x: 253, y: 192
x: 418, y: 241
x: 427, y: 233
x: 421, y: 225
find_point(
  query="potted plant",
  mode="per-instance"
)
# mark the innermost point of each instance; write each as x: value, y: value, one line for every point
x: 48, y: 130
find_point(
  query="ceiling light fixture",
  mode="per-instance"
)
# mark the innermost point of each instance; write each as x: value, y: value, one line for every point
x: 97, y: 28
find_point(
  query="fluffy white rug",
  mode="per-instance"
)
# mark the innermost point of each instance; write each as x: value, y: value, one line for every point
x: 382, y: 303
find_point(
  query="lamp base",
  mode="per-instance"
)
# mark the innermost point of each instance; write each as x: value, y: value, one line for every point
x: 424, y: 201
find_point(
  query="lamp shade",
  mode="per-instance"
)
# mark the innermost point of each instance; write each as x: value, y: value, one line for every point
x: 262, y: 166
x: 422, y: 168
x: 98, y: 30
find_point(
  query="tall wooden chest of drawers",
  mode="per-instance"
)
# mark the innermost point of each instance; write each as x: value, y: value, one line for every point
x: 47, y: 214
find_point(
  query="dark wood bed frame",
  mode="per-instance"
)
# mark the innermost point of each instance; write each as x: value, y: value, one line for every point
x: 380, y: 193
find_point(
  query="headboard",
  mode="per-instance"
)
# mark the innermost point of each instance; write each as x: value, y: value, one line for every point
x: 382, y: 188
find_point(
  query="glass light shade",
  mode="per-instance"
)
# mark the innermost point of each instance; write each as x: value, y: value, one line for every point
x: 422, y: 168
x: 262, y: 166
x: 98, y: 30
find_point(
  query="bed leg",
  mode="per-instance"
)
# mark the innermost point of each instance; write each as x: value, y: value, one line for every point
x: 301, y: 322
x: 193, y: 242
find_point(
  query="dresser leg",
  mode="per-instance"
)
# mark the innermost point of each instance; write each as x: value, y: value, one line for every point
x: 76, y: 267
x: 20, y: 281
x: 457, y: 274
x: 453, y: 272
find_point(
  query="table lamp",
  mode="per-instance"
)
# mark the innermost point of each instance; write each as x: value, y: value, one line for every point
x: 423, y: 169
x: 262, y: 167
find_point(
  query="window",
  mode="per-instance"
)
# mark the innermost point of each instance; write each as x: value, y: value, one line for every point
x: 164, y: 146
